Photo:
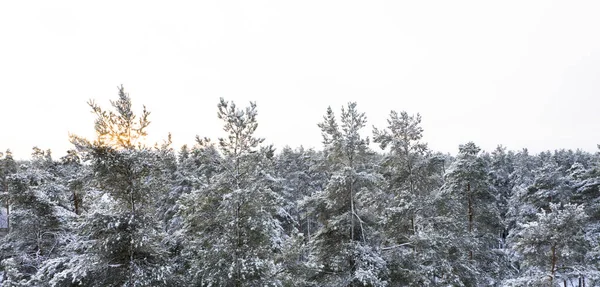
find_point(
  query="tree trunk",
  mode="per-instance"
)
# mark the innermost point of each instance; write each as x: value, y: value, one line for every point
x: 351, y: 215
x: 7, y: 215
x: 414, y: 231
x: 7, y: 205
x: 75, y: 202
x: 351, y: 202
x: 553, y: 267
x: 308, y: 226
x: 470, y: 216
x: 131, y: 243
x: 237, y: 246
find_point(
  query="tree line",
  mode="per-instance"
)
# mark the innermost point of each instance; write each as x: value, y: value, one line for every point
x: 236, y: 212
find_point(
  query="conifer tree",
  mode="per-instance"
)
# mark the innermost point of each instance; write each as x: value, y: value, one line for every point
x: 345, y: 250
x: 121, y: 234
x: 231, y: 221
x: 40, y: 219
x: 8, y: 166
x: 552, y: 247
x: 411, y: 174
x: 475, y: 218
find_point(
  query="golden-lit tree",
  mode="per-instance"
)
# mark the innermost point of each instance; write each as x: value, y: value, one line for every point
x: 127, y: 174
x: 119, y: 129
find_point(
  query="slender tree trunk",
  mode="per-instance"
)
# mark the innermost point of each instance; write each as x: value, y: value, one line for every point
x: 351, y: 215
x: 75, y: 202
x: 411, y: 186
x: 308, y: 225
x: 414, y: 231
x: 470, y: 215
x: 238, y: 243
x: 351, y: 202
x: 131, y: 234
x: 553, y: 267
x: 7, y: 214
x: 237, y: 246
x: 7, y: 205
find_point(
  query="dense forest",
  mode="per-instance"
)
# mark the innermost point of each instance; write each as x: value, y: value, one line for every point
x: 237, y: 212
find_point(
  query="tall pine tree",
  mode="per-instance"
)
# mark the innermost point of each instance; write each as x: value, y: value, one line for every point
x: 345, y: 250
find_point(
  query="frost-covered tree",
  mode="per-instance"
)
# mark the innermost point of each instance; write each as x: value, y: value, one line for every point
x: 406, y: 158
x: 74, y: 174
x: 475, y: 220
x: 411, y: 174
x: 345, y: 250
x: 231, y: 222
x: 40, y: 218
x: 300, y: 173
x: 520, y: 210
x: 501, y: 167
x: 119, y: 240
x: 552, y: 247
x: 8, y: 166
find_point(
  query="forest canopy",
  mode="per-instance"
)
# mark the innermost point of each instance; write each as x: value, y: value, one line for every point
x: 233, y: 211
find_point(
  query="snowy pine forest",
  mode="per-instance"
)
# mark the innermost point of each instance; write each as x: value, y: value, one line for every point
x: 234, y: 211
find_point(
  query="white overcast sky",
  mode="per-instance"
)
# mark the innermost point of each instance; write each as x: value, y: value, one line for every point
x: 517, y: 73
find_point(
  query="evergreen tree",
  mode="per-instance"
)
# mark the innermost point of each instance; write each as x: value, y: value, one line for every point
x: 8, y: 166
x: 552, y: 247
x: 40, y: 218
x: 501, y: 168
x: 300, y: 173
x: 121, y: 233
x: 475, y: 218
x: 231, y: 221
x: 345, y: 250
x: 411, y: 174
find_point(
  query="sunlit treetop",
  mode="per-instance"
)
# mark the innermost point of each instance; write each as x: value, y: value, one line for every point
x: 119, y: 128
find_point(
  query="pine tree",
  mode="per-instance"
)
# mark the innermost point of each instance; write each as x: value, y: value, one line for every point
x: 74, y: 174
x: 231, y: 221
x: 345, y: 250
x: 499, y: 176
x: 300, y: 174
x: 475, y: 217
x: 552, y: 246
x: 40, y: 218
x: 8, y: 166
x: 500, y: 169
x: 411, y: 175
x: 121, y: 233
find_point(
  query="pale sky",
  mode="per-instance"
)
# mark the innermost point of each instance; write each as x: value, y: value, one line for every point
x: 517, y: 73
